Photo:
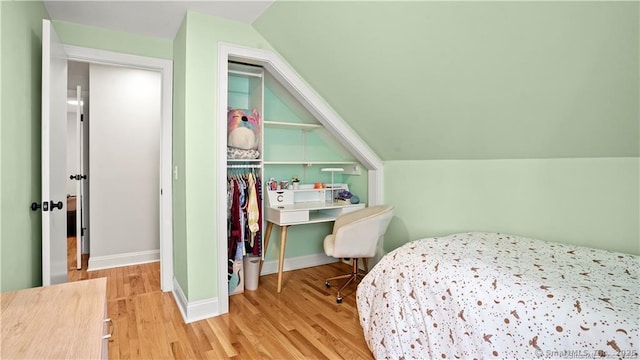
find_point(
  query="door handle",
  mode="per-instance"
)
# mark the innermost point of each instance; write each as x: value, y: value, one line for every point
x: 77, y: 177
x: 57, y: 205
x: 45, y: 206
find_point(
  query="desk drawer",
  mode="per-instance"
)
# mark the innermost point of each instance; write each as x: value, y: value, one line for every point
x: 294, y: 216
x: 287, y: 217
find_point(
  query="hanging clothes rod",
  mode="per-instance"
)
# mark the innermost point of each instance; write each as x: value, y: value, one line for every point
x: 245, y: 166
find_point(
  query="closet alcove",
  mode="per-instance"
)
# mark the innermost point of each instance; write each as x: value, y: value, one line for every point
x: 299, y: 135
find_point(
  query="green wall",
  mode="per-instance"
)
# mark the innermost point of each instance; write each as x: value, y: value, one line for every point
x: 112, y: 40
x: 20, y: 71
x: 179, y: 198
x: 20, y: 109
x: 202, y: 34
x: 521, y: 117
x: 589, y: 202
x: 423, y: 80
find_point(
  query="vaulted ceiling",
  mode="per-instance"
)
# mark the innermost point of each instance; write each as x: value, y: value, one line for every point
x: 471, y: 80
x: 451, y: 80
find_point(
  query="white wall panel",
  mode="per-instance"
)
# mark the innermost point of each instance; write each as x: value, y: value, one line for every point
x: 124, y: 147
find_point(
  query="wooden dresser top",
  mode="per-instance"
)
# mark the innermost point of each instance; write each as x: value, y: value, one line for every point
x: 63, y: 321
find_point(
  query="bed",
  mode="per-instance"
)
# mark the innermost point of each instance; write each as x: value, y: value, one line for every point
x: 489, y: 295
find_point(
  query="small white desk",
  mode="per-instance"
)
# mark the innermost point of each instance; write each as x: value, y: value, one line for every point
x: 299, y: 213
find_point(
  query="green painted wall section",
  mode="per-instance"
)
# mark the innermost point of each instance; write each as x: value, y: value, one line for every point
x: 420, y: 80
x: 589, y: 202
x: 180, y: 259
x: 288, y: 145
x: 112, y: 40
x: 203, y: 33
x: 20, y: 239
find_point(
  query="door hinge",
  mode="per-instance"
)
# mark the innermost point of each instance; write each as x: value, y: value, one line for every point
x: 81, y: 117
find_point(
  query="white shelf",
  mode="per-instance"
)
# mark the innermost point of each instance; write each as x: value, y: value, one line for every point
x: 293, y: 126
x: 310, y: 163
x: 244, y: 160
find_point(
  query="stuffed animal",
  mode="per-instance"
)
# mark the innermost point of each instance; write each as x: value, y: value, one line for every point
x: 243, y: 130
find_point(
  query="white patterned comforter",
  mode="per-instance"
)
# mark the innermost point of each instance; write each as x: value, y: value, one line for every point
x: 485, y: 295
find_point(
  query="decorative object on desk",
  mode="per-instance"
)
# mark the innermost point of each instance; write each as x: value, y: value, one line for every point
x: 272, y: 184
x: 332, y: 171
x: 243, y: 133
x: 318, y: 185
x: 295, y: 181
x: 343, y: 197
x: 284, y: 184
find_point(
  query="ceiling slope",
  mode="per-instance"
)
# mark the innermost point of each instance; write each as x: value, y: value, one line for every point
x: 471, y: 80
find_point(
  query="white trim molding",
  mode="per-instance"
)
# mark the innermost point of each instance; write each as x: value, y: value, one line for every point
x: 118, y: 260
x: 203, y: 309
x: 196, y: 310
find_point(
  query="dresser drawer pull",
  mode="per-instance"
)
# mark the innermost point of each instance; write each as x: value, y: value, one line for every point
x: 112, y: 329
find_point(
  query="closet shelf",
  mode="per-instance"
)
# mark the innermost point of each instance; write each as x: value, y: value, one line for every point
x: 288, y: 125
x: 245, y: 73
x: 309, y: 163
x: 243, y: 160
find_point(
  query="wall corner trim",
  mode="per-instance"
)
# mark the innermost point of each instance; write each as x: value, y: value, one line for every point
x: 195, y: 310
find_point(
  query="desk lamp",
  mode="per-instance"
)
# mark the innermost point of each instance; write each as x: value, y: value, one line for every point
x: 332, y: 171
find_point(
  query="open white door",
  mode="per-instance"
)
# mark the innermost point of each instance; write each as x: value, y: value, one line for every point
x: 79, y: 176
x: 54, y: 115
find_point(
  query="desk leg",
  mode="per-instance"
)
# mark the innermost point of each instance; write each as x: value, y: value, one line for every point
x: 267, y: 236
x: 283, y: 242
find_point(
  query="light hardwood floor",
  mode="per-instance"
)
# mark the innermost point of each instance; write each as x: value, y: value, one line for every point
x: 302, y: 322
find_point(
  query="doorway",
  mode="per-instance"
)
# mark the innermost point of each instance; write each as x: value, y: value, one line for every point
x: 123, y: 172
x: 77, y: 185
x: 163, y: 190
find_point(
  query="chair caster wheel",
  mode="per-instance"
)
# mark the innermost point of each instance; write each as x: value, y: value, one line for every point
x: 327, y: 284
x: 339, y: 300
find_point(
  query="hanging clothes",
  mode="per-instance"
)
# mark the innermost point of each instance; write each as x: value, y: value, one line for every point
x: 244, y: 206
x: 253, y: 212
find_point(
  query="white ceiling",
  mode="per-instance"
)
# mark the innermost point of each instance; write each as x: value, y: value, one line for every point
x: 152, y: 18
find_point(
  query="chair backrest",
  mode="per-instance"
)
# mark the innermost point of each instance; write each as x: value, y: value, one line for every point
x: 357, y: 233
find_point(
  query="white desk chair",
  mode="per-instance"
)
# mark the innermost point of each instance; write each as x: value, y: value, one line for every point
x: 356, y: 235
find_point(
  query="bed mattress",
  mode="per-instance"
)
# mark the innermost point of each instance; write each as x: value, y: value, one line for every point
x: 487, y: 295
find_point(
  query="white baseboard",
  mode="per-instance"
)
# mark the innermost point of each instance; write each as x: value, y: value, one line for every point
x: 203, y: 309
x: 300, y: 262
x: 195, y: 310
x: 112, y: 261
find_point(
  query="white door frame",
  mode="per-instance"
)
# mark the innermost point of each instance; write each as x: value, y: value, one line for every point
x: 79, y: 172
x: 165, y: 67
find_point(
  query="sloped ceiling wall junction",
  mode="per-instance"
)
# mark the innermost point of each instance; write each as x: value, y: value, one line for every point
x: 471, y: 80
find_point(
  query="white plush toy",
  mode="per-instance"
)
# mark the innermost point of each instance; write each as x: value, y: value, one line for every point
x: 243, y: 130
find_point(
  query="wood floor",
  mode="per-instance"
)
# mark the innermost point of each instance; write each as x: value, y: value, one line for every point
x: 302, y: 322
